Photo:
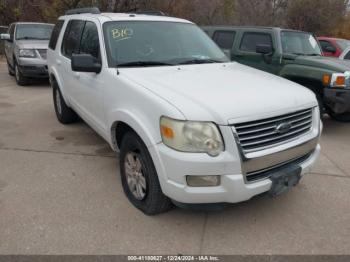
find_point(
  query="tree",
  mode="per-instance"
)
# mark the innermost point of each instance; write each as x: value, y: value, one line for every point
x: 310, y: 15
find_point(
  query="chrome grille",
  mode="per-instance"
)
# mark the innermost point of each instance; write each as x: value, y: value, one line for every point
x: 43, y: 53
x: 262, y: 134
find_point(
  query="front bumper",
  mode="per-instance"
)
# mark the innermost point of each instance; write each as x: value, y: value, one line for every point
x: 173, y: 167
x: 338, y: 100
x: 33, y: 68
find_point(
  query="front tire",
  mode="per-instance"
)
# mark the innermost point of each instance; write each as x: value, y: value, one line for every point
x: 139, y: 177
x: 65, y: 114
x: 20, y: 79
x: 345, y: 117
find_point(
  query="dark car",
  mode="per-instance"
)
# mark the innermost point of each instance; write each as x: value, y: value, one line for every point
x: 294, y: 55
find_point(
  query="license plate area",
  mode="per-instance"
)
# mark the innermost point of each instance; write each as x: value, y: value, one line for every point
x: 284, y: 180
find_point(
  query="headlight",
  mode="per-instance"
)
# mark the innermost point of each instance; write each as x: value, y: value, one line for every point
x: 189, y: 136
x: 337, y: 80
x: 27, y: 53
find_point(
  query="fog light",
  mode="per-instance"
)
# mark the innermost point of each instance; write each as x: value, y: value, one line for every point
x: 203, y: 181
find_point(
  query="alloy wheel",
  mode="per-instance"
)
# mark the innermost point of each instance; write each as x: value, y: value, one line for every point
x: 58, y: 102
x: 134, y: 175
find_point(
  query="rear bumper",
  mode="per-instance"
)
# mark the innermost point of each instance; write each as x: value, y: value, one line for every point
x: 338, y: 100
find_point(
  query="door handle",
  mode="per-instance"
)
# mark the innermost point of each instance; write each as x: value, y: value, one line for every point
x: 77, y: 75
x: 58, y: 62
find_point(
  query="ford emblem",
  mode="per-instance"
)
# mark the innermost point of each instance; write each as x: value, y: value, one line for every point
x: 283, y: 128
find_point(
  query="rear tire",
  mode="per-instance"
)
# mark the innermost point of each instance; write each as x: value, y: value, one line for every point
x: 20, y: 79
x: 345, y: 117
x: 64, y: 114
x: 139, y: 177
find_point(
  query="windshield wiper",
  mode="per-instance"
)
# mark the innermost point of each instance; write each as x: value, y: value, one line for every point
x: 299, y: 54
x: 144, y: 64
x: 31, y: 38
x: 313, y: 54
x: 199, y: 61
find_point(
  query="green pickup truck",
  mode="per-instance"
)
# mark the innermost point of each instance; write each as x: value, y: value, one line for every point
x: 294, y: 55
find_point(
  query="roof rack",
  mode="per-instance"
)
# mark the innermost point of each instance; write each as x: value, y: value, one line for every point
x: 91, y: 10
x: 148, y: 12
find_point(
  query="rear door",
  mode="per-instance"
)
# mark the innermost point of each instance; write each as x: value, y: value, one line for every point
x: 245, y: 50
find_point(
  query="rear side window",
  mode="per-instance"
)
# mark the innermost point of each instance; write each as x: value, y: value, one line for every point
x: 89, y: 41
x: 347, y: 56
x: 72, y: 37
x: 224, y: 39
x: 55, y: 34
x: 251, y: 40
x: 325, y: 44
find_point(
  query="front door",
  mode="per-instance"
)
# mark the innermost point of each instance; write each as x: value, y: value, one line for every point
x: 245, y: 51
x: 89, y: 91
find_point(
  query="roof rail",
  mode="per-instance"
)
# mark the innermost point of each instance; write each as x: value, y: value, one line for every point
x: 90, y: 10
x: 148, y: 12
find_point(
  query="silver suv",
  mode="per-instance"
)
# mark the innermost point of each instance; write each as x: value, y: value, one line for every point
x: 25, y: 49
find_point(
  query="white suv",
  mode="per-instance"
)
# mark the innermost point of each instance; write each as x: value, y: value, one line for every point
x: 191, y: 127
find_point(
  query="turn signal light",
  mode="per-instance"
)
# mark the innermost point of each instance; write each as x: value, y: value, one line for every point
x: 326, y: 80
x: 167, y: 132
x: 340, y: 81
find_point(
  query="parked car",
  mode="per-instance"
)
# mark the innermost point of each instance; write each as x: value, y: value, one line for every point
x: 346, y: 54
x: 25, y: 49
x: 294, y: 55
x: 3, y: 29
x: 333, y: 46
x: 191, y: 126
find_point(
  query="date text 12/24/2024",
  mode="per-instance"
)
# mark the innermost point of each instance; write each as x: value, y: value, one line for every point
x: 173, y: 258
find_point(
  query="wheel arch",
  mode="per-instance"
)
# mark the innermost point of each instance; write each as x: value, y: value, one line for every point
x: 125, y: 121
x: 56, y: 80
x: 314, y: 85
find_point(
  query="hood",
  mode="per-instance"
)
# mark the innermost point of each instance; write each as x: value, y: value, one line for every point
x: 222, y: 93
x: 328, y: 63
x: 32, y: 44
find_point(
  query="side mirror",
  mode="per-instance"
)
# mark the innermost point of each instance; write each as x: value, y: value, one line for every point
x: 85, y: 63
x: 330, y: 49
x: 264, y: 49
x: 5, y: 37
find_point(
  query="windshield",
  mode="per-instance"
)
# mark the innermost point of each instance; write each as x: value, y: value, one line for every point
x: 299, y: 43
x: 33, y: 32
x: 152, y: 43
x: 343, y: 43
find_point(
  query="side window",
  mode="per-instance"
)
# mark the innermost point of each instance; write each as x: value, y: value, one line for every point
x: 55, y: 34
x: 72, y: 37
x: 347, y: 56
x: 251, y: 40
x: 224, y: 39
x: 325, y: 45
x: 90, y: 43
